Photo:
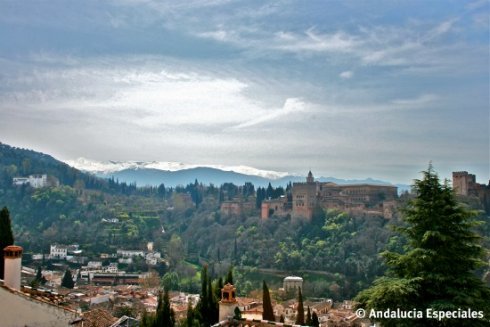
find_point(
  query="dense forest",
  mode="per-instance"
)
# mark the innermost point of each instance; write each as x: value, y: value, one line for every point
x: 336, y: 253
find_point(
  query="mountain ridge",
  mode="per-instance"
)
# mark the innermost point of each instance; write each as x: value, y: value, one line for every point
x: 207, y: 175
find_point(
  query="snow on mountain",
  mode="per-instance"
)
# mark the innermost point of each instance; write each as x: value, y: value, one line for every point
x: 95, y: 167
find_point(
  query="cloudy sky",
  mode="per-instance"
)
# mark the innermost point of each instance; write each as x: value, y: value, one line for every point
x: 349, y: 89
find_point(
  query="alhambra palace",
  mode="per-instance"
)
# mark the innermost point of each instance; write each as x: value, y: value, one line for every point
x: 366, y: 200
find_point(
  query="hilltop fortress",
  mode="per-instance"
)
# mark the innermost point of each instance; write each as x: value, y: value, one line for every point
x: 359, y: 199
x: 464, y: 184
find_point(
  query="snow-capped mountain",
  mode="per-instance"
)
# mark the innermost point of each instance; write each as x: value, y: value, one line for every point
x: 110, y: 167
x: 175, y: 173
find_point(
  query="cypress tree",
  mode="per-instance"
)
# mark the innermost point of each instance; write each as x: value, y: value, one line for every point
x: 235, y: 253
x: 436, y: 270
x: 158, y: 320
x: 6, y: 236
x: 190, y: 319
x: 164, y: 316
x: 39, y: 274
x: 237, y: 314
x: 268, y: 312
x: 146, y: 320
x: 213, y: 309
x: 168, y: 316
x: 203, y: 305
x: 300, y: 318
x: 308, y: 317
x: 314, y: 320
x: 229, y: 276
x: 219, y: 286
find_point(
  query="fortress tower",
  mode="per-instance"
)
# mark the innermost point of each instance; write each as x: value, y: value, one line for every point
x: 228, y: 302
x: 305, y: 198
x: 463, y: 182
x: 13, y: 266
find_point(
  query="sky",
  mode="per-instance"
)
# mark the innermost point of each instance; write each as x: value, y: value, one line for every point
x: 350, y: 89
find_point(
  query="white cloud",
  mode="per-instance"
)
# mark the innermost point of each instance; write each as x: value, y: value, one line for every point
x: 151, y: 97
x: 421, y: 100
x: 313, y: 41
x: 291, y: 106
x: 347, y: 74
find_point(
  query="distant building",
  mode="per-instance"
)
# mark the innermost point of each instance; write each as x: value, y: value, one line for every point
x: 65, y: 252
x: 116, y: 279
x: 236, y: 207
x: 130, y: 253
x: 361, y: 199
x: 279, y: 207
x: 36, y: 181
x: 292, y: 282
x: 228, y: 302
x: 58, y: 251
x: 465, y: 184
x: 94, y: 265
x: 153, y: 258
x: 112, y: 268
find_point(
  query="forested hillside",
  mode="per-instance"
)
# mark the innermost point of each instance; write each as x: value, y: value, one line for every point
x: 337, y: 253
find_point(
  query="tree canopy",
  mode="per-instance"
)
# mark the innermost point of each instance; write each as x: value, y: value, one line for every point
x: 67, y: 280
x: 436, y: 270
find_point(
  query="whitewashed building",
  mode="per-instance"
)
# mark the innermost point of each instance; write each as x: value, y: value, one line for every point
x: 58, y: 251
x: 35, y: 181
x: 292, y: 282
x: 130, y: 253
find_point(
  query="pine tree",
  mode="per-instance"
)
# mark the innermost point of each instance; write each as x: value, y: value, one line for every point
x: 300, y: 318
x: 436, y: 270
x: 67, y: 280
x: 6, y: 236
x: 268, y: 312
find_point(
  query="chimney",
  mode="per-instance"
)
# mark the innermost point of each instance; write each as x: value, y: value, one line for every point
x: 13, y: 266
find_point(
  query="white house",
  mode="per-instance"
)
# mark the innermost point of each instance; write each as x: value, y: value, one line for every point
x: 35, y: 181
x: 94, y: 264
x: 153, y: 258
x: 130, y: 253
x: 58, y: 251
x: 112, y: 268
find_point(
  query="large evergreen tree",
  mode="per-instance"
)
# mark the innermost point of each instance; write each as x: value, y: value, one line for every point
x: 300, y: 317
x: 208, y: 303
x: 191, y: 320
x: 268, y: 312
x: 67, y: 280
x: 165, y: 316
x: 437, y: 269
x: 6, y: 236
